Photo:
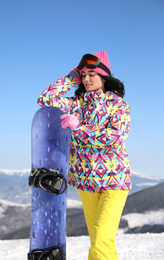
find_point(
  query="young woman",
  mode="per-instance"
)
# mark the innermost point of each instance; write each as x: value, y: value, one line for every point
x: 99, y: 165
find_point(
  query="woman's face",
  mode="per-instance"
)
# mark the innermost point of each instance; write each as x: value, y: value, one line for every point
x: 92, y: 81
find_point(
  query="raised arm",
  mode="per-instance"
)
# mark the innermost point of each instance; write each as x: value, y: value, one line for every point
x: 53, y: 95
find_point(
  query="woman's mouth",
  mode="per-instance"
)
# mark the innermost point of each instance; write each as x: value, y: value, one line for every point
x: 88, y: 85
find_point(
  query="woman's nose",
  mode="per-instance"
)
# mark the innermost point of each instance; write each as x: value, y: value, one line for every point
x: 86, y: 78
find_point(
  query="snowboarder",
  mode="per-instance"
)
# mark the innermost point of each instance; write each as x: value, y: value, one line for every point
x: 99, y: 164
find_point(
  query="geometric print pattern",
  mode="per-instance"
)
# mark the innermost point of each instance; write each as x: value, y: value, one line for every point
x: 98, y: 158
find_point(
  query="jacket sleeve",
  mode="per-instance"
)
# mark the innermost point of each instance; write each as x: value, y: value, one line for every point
x: 53, y: 95
x: 114, y: 134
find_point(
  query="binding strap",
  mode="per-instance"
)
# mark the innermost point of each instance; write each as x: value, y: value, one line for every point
x: 51, y: 253
x: 48, y: 180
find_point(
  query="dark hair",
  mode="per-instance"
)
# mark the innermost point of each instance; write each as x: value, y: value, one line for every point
x: 111, y: 84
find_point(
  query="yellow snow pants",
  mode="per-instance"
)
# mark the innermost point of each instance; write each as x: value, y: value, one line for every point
x: 102, y: 211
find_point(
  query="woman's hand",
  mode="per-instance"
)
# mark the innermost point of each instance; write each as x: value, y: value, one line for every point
x: 76, y: 74
x: 69, y: 121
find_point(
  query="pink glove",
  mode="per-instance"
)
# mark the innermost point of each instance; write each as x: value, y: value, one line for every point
x: 76, y: 74
x: 69, y: 121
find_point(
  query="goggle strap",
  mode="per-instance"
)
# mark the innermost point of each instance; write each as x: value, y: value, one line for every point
x: 91, y: 66
x: 105, y: 68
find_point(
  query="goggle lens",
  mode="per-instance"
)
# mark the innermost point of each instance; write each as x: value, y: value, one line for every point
x: 89, y: 61
x: 92, y: 62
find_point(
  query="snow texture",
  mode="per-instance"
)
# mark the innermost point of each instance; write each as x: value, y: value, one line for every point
x: 129, y: 247
x: 147, y: 218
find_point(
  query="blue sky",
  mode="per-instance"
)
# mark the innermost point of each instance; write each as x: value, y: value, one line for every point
x: 42, y: 40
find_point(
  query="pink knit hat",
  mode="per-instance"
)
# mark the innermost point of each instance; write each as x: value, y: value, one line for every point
x: 102, y: 55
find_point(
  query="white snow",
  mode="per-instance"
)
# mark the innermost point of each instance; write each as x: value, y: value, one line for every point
x: 129, y: 247
x: 74, y: 203
x: 145, y: 176
x: 4, y: 205
x: 7, y: 203
x: 149, y: 184
x: 147, y: 218
x: 15, y: 172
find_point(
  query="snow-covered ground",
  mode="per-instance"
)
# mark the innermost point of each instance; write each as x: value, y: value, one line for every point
x: 129, y: 247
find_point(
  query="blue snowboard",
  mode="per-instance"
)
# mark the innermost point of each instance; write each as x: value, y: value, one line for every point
x: 50, y: 149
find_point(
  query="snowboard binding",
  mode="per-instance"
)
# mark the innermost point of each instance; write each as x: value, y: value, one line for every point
x: 51, y: 253
x: 50, y: 181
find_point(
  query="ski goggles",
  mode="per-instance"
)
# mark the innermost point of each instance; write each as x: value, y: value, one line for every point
x: 92, y: 62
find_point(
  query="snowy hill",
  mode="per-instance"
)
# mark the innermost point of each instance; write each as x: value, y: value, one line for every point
x: 143, y: 212
x: 14, y: 185
x: 140, y: 247
x: 14, y: 219
x: 141, y: 181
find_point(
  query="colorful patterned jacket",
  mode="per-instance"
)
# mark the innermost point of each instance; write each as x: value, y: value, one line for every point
x: 98, y: 158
